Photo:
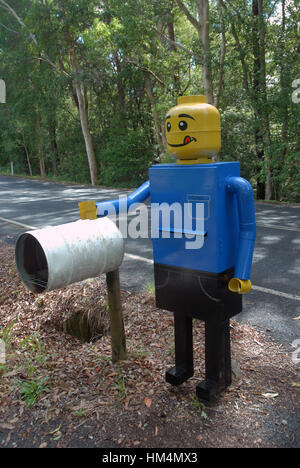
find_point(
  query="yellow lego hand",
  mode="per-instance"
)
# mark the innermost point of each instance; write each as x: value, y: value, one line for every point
x: 239, y: 286
x: 88, y: 210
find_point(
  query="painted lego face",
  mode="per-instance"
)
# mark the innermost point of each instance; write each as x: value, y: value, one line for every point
x: 177, y: 130
x: 192, y: 130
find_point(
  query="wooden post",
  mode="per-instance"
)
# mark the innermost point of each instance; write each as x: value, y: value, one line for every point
x: 117, y: 332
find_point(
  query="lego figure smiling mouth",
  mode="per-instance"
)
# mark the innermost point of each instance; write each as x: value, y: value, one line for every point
x: 193, y: 130
x: 186, y: 141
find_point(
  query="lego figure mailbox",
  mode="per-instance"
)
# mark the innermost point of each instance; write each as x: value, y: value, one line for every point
x: 205, y: 281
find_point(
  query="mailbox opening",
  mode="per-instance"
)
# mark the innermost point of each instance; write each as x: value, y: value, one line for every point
x: 32, y: 263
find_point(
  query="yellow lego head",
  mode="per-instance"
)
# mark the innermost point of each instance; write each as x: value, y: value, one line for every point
x: 193, y: 130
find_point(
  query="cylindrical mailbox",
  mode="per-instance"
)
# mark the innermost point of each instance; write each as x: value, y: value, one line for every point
x: 54, y: 257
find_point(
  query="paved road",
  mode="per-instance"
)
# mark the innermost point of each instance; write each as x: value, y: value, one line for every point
x: 272, y: 305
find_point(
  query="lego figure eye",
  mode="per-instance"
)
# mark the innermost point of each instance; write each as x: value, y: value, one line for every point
x: 168, y: 126
x: 182, y: 125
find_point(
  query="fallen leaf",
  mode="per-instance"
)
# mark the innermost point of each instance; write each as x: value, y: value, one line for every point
x: 12, y: 373
x: 57, y: 429
x: 270, y: 395
x: 296, y: 384
x: 6, y: 426
x: 43, y: 445
x: 156, y: 431
x: 148, y: 402
x: 257, y: 342
x: 13, y: 421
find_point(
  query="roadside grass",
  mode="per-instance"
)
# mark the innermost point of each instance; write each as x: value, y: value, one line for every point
x: 31, y: 390
x: 149, y: 288
x: 199, y: 406
x: 6, y: 335
x: 119, y: 384
x: 24, y: 361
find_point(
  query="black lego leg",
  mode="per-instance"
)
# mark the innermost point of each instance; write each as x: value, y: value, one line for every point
x: 184, y: 369
x: 217, y: 359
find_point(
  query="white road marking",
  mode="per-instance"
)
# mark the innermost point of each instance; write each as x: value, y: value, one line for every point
x: 275, y: 293
x: 16, y: 223
x: 273, y: 226
x: 137, y: 257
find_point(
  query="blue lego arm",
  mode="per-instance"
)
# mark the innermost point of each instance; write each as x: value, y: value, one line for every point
x: 245, y: 199
x: 138, y: 196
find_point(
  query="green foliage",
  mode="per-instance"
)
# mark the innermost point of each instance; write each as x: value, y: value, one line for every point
x: 237, y: 139
x: 119, y: 384
x: 130, y: 73
x: 6, y: 335
x: 199, y: 406
x: 31, y: 390
x: 31, y: 354
x: 126, y: 158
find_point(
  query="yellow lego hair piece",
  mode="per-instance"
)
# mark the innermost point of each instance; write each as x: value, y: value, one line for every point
x: 88, y: 210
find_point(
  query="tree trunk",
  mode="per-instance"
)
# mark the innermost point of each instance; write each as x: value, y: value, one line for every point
x: 81, y: 96
x: 40, y: 145
x: 260, y: 102
x: 148, y: 88
x: 120, y: 85
x: 284, y: 85
x: 202, y: 27
x: 26, y: 152
x: 173, y: 47
x: 263, y: 108
x: 222, y: 57
x: 203, y: 34
x: 53, y: 144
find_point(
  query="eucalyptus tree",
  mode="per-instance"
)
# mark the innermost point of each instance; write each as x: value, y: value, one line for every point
x: 60, y: 26
x: 55, y: 30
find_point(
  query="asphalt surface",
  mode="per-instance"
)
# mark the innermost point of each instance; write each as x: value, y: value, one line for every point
x: 272, y: 305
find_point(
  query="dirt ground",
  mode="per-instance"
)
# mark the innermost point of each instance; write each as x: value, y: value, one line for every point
x: 57, y: 391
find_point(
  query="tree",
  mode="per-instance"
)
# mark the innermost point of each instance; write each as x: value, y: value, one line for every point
x: 202, y: 27
x: 89, y: 83
x: 43, y: 11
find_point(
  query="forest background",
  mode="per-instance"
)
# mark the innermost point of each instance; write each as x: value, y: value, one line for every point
x: 88, y: 84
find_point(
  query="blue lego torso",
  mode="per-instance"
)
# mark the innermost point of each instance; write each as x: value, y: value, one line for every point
x: 201, y: 183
